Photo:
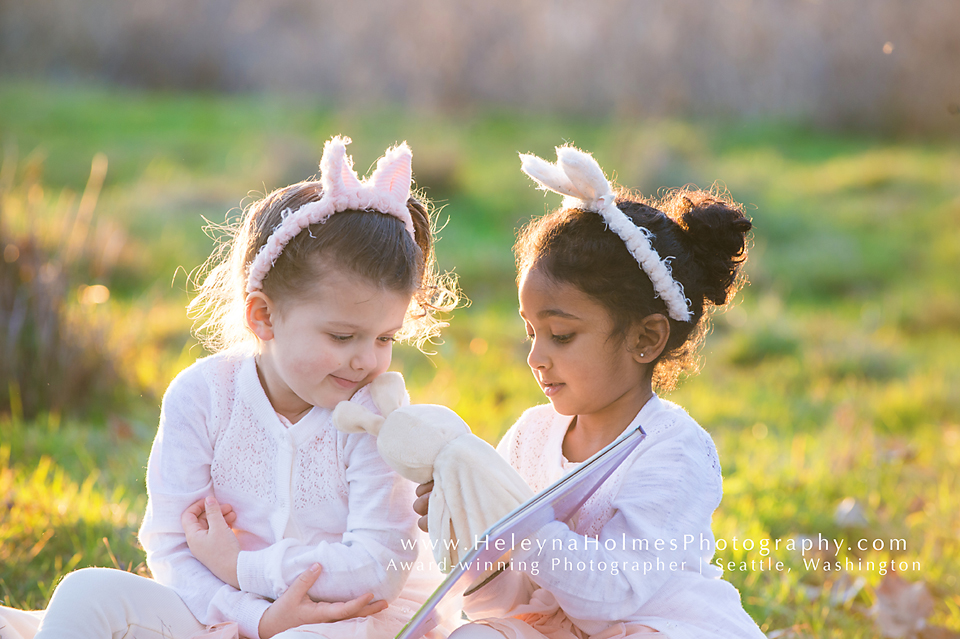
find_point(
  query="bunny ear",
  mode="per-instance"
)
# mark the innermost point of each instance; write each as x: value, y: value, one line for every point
x: 548, y: 175
x: 336, y: 168
x: 389, y: 392
x: 391, y: 179
x: 349, y: 176
x: 586, y: 175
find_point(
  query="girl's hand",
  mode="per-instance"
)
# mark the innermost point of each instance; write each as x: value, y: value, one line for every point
x: 295, y: 608
x: 229, y: 516
x: 422, y: 505
x: 211, y: 540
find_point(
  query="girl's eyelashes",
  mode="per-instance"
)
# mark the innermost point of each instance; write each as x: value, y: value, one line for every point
x: 383, y: 339
x: 559, y: 339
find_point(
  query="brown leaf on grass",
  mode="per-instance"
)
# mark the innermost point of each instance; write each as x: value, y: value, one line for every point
x: 917, y: 504
x: 901, y: 608
x: 120, y: 428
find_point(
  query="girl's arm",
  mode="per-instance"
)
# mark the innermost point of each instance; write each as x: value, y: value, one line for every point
x: 669, y: 491
x: 178, y: 474
x: 664, y: 502
x: 377, y: 550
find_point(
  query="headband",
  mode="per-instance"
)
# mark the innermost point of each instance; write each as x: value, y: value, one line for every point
x: 577, y: 176
x: 386, y: 191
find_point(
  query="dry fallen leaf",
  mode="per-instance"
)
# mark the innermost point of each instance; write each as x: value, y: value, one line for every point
x: 901, y: 608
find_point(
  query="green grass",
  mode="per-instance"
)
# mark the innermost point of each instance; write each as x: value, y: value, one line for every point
x: 833, y: 378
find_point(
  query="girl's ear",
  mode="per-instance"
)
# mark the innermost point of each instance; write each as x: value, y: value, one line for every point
x: 258, y: 314
x: 648, y: 337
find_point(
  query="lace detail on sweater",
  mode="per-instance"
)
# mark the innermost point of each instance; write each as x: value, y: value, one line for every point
x: 245, y: 456
x: 319, y: 473
x: 220, y: 379
x: 528, y: 454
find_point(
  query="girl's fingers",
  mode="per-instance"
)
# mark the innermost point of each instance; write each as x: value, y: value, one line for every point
x: 359, y: 607
x: 196, y: 508
x: 212, y: 509
x: 229, y: 515
x: 372, y: 608
x: 423, y: 489
x: 298, y: 589
x: 422, y: 505
x: 190, y: 519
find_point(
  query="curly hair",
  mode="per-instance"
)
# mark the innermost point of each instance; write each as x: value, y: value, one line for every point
x: 704, y: 236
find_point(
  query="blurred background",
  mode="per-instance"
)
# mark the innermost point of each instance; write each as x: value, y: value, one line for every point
x: 831, y: 385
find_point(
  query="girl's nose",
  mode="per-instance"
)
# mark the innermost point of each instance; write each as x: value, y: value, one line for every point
x: 365, y: 359
x: 536, y: 358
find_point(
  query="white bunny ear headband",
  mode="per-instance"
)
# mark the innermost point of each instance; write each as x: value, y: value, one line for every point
x: 578, y: 177
x: 386, y: 190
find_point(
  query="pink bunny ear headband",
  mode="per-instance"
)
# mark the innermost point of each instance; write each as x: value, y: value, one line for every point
x: 577, y: 176
x: 386, y: 190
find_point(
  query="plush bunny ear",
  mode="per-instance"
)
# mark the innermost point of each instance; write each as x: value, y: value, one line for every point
x: 549, y: 176
x: 389, y: 392
x: 393, y: 173
x: 575, y: 174
x: 336, y: 168
x: 350, y: 417
x: 586, y: 175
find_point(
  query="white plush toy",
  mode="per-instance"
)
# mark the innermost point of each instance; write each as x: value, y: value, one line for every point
x: 473, y: 486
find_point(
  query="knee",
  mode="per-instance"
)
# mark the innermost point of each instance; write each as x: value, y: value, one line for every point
x: 87, y: 581
x: 476, y: 631
x: 84, y: 580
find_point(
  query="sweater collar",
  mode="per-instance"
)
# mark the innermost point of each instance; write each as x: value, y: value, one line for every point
x: 253, y: 393
x: 561, y: 423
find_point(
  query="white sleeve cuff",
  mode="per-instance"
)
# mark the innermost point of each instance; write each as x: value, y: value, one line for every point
x: 249, y: 614
x: 251, y: 574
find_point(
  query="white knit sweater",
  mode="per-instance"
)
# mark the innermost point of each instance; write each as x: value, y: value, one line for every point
x: 303, y: 493
x: 665, y: 492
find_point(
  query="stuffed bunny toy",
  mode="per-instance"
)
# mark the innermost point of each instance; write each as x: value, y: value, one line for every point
x: 474, y: 486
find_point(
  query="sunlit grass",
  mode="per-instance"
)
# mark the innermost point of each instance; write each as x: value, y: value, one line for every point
x: 834, y: 378
x: 60, y: 510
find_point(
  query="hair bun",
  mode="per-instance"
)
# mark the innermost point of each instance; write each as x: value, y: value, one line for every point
x: 717, y: 230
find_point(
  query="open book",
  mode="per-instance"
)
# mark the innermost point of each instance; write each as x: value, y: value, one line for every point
x: 557, y: 502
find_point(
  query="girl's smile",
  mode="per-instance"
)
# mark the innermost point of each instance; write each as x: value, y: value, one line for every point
x: 320, y: 350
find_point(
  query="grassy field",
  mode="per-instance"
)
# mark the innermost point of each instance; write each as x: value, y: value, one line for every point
x: 831, y: 388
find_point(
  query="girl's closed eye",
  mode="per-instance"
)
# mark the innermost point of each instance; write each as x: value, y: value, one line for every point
x: 339, y: 337
x: 529, y: 331
x: 563, y: 339
x: 387, y: 339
